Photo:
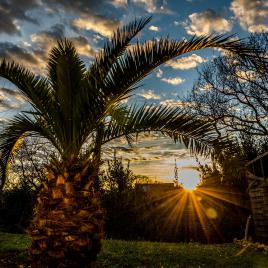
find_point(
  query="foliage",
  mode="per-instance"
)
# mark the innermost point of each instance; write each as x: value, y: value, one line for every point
x: 17, y: 208
x: 29, y: 162
x: 116, y: 253
x: 230, y: 169
x: 233, y: 92
x: 116, y: 177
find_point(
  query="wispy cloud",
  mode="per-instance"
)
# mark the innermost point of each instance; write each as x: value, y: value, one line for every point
x: 172, y: 103
x: 149, y: 95
x: 173, y: 81
x: 185, y: 63
x: 207, y: 22
x: 252, y: 15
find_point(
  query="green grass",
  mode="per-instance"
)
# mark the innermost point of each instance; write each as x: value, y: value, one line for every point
x: 117, y: 253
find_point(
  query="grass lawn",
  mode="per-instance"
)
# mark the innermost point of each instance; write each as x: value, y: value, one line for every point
x: 117, y: 253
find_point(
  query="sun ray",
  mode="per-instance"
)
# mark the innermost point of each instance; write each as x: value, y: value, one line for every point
x: 229, y: 197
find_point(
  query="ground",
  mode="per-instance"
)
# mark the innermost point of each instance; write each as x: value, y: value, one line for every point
x: 115, y: 253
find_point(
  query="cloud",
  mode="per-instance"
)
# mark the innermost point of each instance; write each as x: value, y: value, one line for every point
x: 119, y: 3
x: 252, y: 15
x: 77, y: 6
x: 159, y: 73
x: 47, y: 39
x: 83, y: 47
x: 149, y: 5
x: 17, y: 53
x: 172, y: 103
x: 205, y: 87
x: 186, y: 63
x: 87, y: 15
x: 11, y: 99
x: 207, y: 22
x: 154, y: 28
x: 173, y: 81
x: 97, y: 23
x: 148, y: 95
x: 13, y: 11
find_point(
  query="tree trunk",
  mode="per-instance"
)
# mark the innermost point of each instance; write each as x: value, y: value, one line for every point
x: 68, y: 225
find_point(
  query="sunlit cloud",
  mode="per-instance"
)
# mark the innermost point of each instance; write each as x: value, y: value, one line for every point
x: 159, y: 73
x: 96, y: 23
x: 119, y: 3
x: 149, y: 5
x: 149, y: 94
x: 154, y: 28
x: 252, y: 15
x: 173, y: 80
x: 46, y: 39
x: 83, y: 47
x: 186, y: 63
x: 205, y: 87
x: 27, y: 57
x: 173, y: 103
x: 207, y: 22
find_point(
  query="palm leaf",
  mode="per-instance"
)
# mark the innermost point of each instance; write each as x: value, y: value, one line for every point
x: 113, y: 49
x: 198, y: 136
x: 13, y: 134
x: 141, y: 59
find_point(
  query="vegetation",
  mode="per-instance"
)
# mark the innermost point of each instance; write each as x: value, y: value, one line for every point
x: 78, y: 110
x: 116, y: 253
x: 234, y: 92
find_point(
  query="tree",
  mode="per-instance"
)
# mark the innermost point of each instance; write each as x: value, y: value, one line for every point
x: 28, y: 164
x: 78, y: 109
x: 117, y: 177
x: 233, y: 92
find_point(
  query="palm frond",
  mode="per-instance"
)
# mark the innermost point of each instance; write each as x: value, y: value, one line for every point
x: 13, y: 134
x: 140, y: 59
x: 35, y: 89
x: 114, y: 48
x: 66, y: 74
x: 198, y: 136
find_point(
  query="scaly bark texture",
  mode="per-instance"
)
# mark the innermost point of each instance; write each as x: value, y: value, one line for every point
x: 68, y: 225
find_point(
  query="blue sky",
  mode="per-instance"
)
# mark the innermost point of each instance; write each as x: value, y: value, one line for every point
x: 29, y: 28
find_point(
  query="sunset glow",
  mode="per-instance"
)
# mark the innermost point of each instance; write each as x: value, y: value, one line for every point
x: 189, y: 178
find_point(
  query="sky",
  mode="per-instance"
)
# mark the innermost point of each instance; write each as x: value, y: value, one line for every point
x: 30, y: 28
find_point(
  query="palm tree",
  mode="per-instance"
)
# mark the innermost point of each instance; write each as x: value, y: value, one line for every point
x: 75, y: 107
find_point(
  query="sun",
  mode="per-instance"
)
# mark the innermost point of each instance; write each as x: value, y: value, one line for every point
x: 189, y: 178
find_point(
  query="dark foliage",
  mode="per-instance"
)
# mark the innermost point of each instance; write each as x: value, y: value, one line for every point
x: 16, y: 209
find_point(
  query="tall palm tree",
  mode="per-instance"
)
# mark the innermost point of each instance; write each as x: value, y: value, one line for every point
x: 75, y: 107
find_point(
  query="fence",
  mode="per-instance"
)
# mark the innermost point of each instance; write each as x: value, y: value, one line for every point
x: 258, y: 192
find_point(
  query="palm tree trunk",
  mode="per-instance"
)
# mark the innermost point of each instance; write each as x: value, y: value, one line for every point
x: 68, y: 225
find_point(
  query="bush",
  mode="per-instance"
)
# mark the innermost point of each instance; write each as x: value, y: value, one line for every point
x: 16, y: 209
